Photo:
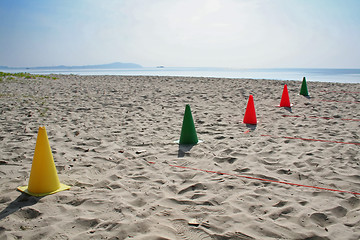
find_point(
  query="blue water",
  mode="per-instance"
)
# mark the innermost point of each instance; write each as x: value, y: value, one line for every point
x: 311, y: 74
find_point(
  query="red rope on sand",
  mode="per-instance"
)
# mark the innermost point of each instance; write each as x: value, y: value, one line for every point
x: 327, y: 118
x: 309, y: 139
x: 262, y: 179
x: 338, y: 92
x: 324, y: 100
x: 265, y: 180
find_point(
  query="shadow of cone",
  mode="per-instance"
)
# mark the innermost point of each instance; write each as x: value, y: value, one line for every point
x: 188, y: 133
x: 304, y: 90
x: 285, y: 100
x: 250, y: 115
x: 43, y: 176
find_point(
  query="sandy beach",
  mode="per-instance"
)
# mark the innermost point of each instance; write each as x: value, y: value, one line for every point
x: 113, y: 141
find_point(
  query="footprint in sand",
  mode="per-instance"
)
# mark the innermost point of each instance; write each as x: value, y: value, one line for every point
x: 29, y: 213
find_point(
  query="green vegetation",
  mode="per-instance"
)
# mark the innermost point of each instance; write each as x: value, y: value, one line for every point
x: 10, y: 76
x: 43, y: 111
x: 15, y: 77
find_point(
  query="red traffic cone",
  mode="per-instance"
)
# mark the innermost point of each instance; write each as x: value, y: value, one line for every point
x: 285, y: 100
x: 250, y: 115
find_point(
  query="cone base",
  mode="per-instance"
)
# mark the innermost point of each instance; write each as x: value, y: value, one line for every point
x: 61, y: 188
x: 251, y: 123
x: 178, y: 142
x: 291, y: 105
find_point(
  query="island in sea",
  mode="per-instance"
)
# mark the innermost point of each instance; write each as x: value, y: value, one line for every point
x: 114, y: 65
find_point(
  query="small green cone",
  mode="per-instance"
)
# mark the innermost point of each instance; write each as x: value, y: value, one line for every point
x: 304, y: 90
x: 188, y: 132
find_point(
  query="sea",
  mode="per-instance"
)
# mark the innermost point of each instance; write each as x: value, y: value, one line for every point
x: 297, y: 74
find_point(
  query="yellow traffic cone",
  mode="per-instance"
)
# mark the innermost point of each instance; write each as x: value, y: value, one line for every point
x: 43, y: 176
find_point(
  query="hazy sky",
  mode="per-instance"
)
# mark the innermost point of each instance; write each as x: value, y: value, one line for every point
x: 182, y: 33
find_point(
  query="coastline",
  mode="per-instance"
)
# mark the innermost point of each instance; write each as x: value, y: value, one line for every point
x: 284, y: 74
x: 112, y: 139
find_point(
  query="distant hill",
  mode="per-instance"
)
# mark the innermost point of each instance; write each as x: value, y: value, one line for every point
x: 101, y: 66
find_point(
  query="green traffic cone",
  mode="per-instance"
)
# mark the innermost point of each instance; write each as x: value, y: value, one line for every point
x: 304, y: 90
x: 188, y: 132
